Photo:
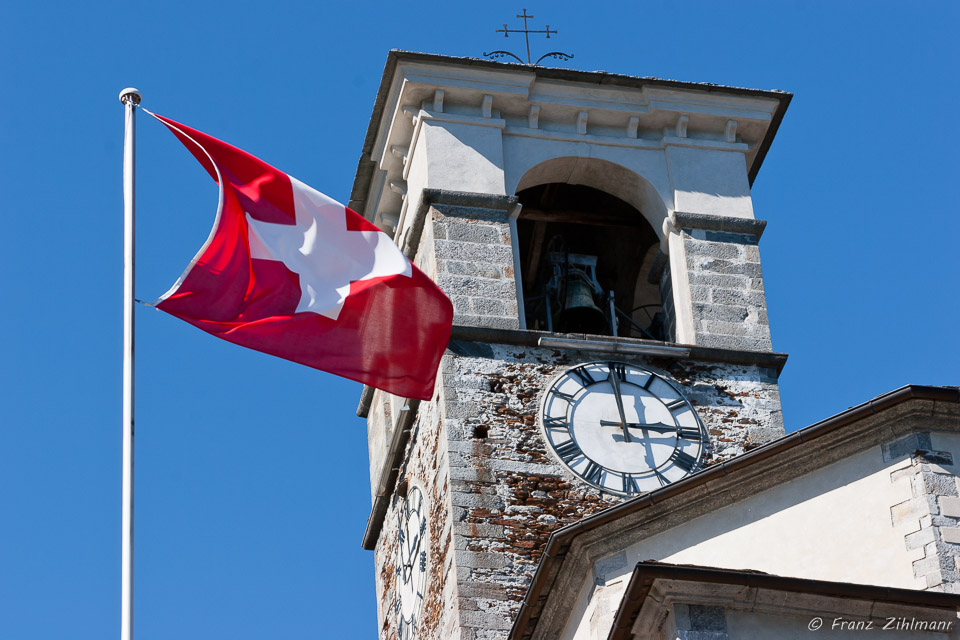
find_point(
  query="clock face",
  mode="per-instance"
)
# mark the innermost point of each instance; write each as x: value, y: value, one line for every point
x: 622, y: 428
x: 411, y: 563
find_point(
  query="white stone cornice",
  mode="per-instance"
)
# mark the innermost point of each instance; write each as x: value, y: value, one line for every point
x: 589, y: 96
x: 622, y: 141
x: 480, y: 121
x: 483, y: 80
x: 533, y: 118
x: 587, y: 138
x: 399, y: 152
x: 486, y: 106
x: 414, y: 139
x: 582, y: 122
x: 704, y: 143
x: 730, y: 131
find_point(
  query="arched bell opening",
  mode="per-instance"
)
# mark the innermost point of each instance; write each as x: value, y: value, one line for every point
x: 587, y: 261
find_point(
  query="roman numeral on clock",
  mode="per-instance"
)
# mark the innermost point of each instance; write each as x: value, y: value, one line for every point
x: 630, y: 484
x: 683, y: 460
x: 584, y: 376
x: 676, y: 404
x: 619, y: 370
x: 556, y: 423
x: 568, y: 450
x: 690, y: 433
x: 593, y: 473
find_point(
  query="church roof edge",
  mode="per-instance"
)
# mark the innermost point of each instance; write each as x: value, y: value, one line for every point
x: 646, y: 573
x: 578, y: 75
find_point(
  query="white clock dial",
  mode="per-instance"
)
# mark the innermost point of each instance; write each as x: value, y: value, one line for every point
x: 622, y: 428
x: 411, y: 563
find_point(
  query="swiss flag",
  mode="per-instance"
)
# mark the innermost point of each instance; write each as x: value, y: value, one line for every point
x: 290, y: 272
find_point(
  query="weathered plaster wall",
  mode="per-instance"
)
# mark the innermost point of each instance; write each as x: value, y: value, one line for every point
x: 509, y: 493
x: 424, y: 466
x: 499, y: 493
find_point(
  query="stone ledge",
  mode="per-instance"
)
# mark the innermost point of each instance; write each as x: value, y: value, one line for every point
x: 748, y: 226
x: 529, y: 338
x: 430, y: 197
x: 467, y: 199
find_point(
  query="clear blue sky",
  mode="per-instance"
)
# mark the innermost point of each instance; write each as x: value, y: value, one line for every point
x: 252, y: 476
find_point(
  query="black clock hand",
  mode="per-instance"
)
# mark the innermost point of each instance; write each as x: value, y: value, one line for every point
x: 615, y: 381
x: 414, y: 547
x: 657, y: 426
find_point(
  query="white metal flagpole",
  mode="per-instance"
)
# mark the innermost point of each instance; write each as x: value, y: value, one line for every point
x: 130, y: 98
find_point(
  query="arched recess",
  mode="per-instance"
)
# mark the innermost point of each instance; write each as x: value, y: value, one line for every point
x: 602, y: 175
x: 587, y: 250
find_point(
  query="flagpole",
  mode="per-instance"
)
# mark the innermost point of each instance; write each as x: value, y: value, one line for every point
x: 130, y: 98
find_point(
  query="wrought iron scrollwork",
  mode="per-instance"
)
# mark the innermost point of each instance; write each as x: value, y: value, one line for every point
x: 526, y: 31
x: 494, y: 55
x: 559, y: 55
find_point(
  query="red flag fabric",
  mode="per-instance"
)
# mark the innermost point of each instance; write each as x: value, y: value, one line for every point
x: 290, y: 272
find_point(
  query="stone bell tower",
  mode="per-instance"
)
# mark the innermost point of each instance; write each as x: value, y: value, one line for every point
x: 597, y: 237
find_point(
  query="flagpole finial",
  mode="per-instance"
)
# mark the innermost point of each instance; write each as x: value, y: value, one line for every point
x: 131, y: 94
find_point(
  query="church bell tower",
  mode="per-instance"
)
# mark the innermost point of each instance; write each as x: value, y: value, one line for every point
x: 596, y: 235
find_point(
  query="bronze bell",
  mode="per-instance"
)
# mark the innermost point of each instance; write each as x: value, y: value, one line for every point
x: 580, y: 314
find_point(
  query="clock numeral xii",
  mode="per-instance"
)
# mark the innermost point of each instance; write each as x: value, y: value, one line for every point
x: 619, y: 370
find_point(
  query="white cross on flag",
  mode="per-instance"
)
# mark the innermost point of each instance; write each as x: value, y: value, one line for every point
x: 290, y: 272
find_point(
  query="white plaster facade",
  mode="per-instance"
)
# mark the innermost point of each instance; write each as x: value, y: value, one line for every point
x: 456, y: 127
x: 833, y: 524
x: 661, y: 146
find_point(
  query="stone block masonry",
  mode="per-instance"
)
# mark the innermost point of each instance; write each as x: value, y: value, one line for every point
x: 474, y: 262
x: 500, y: 492
x: 726, y: 290
x: 933, y: 510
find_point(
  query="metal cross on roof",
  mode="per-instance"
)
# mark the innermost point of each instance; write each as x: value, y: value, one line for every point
x: 526, y: 34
